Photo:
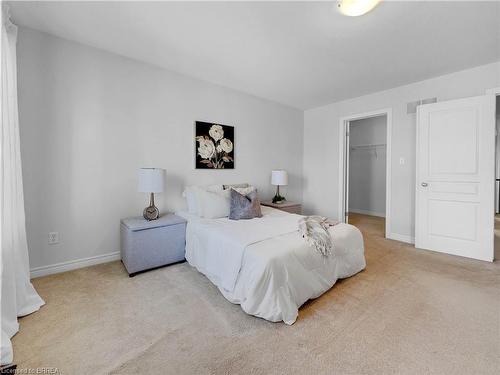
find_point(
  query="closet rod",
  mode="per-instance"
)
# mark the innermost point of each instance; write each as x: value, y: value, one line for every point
x: 369, y: 145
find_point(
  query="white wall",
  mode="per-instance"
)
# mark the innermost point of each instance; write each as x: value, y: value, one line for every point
x: 367, y: 166
x: 321, y: 140
x: 89, y: 119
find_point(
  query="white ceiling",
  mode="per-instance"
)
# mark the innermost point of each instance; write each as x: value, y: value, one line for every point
x: 303, y: 54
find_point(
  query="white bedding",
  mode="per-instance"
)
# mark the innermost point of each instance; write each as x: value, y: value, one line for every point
x: 265, y: 265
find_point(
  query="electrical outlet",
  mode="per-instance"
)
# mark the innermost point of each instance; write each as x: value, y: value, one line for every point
x: 53, y: 238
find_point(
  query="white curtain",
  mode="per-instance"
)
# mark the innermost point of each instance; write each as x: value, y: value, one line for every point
x: 17, y: 295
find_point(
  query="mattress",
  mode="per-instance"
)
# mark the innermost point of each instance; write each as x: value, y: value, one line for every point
x: 265, y: 265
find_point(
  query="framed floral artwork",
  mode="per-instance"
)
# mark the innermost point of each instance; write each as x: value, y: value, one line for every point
x: 214, y: 146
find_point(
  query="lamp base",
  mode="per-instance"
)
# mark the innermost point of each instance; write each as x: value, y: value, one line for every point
x: 151, y: 212
x: 278, y: 198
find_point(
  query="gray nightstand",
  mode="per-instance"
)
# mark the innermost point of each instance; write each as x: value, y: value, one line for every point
x: 291, y: 207
x: 151, y: 244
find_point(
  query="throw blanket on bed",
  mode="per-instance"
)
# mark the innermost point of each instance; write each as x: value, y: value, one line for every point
x: 314, y: 230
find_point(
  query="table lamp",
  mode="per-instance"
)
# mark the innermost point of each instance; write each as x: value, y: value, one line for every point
x: 279, y: 178
x: 151, y: 180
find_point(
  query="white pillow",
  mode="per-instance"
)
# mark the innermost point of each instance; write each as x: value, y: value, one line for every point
x: 191, y: 194
x: 212, y: 188
x: 214, y: 205
x: 192, y: 203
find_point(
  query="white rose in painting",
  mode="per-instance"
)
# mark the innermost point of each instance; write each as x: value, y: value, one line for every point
x: 206, y: 149
x: 226, y: 145
x: 216, y: 132
x: 219, y: 148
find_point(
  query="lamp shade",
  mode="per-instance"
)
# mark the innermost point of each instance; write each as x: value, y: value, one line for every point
x: 279, y: 177
x: 151, y: 180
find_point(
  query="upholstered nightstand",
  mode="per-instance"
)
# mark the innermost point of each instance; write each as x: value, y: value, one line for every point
x: 151, y: 244
x: 292, y: 207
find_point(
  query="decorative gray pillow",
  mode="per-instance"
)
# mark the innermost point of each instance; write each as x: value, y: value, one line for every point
x: 244, y: 206
x: 227, y: 187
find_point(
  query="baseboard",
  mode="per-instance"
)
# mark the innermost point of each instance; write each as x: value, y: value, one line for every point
x: 401, y: 238
x: 73, y: 264
x: 366, y: 212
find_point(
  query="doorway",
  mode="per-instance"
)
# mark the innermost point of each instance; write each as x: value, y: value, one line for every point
x: 497, y: 179
x: 496, y: 229
x: 365, y: 170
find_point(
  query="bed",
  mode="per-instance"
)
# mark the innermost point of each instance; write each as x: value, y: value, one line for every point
x: 264, y: 264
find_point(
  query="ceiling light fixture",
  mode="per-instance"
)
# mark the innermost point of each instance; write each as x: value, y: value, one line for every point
x: 356, y: 8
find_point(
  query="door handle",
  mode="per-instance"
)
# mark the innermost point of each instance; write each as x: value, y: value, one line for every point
x: 424, y: 184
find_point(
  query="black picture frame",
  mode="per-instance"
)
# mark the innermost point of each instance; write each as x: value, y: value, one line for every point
x: 214, y: 146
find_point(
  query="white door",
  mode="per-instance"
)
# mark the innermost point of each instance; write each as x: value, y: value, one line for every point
x: 455, y: 177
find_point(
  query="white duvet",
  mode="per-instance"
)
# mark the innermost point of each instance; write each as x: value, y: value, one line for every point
x: 265, y: 265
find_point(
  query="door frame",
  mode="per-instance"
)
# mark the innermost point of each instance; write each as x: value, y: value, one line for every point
x: 343, y: 179
x: 496, y: 92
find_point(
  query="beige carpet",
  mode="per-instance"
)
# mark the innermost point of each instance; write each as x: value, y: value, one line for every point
x: 409, y: 312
